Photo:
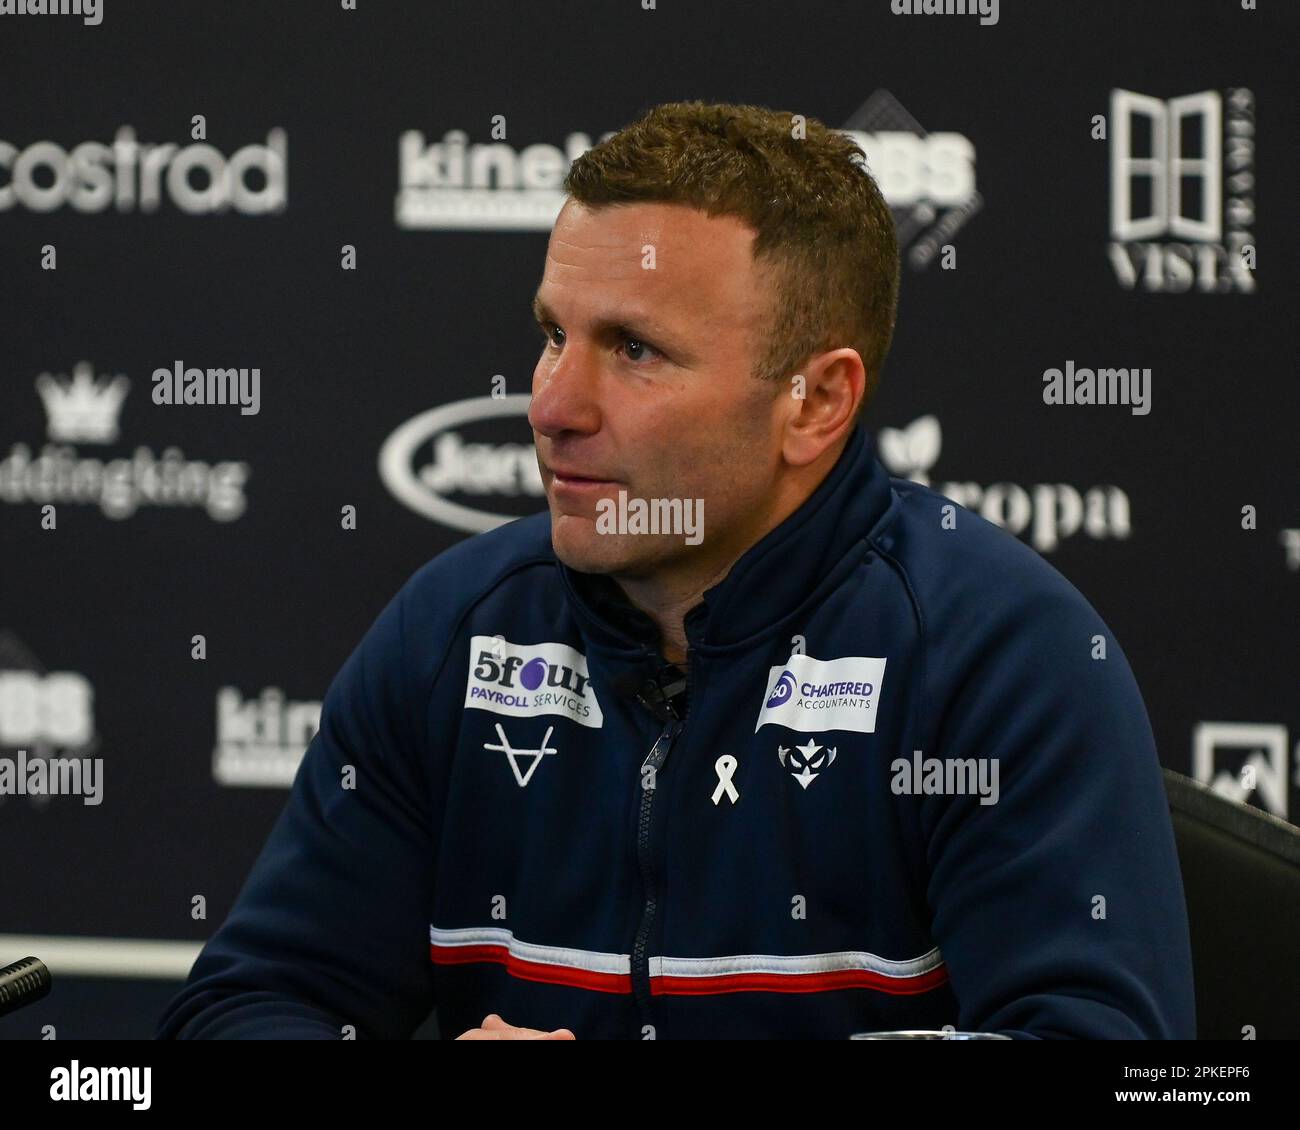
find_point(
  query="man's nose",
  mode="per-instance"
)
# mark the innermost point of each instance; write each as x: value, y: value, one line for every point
x: 565, y: 393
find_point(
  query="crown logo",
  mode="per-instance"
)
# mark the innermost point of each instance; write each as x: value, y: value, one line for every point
x: 82, y: 410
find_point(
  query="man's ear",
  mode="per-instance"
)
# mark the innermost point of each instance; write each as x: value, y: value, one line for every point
x: 832, y: 385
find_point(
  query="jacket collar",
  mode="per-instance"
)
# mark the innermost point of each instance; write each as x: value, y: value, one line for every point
x: 772, y: 581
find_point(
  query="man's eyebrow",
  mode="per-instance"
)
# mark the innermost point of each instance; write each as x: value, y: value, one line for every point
x: 633, y: 323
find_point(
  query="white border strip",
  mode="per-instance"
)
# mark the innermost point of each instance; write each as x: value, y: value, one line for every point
x: 77, y: 956
x: 842, y: 962
x: 592, y: 961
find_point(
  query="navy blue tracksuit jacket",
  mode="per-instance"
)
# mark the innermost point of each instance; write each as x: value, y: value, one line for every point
x: 910, y: 782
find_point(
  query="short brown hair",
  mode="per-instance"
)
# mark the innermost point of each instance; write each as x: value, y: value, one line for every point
x: 819, y: 217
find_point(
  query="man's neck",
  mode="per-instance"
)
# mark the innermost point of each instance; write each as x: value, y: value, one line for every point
x: 667, y: 601
x: 667, y: 597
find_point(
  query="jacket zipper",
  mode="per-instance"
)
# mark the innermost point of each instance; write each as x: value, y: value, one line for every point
x: 640, y: 961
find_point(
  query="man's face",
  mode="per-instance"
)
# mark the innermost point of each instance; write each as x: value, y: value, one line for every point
x: 645, y: 384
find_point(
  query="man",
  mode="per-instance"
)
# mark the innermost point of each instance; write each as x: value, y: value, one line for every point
x: 743, y: 738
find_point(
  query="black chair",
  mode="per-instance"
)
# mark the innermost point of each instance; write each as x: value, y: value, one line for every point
x: 1241, y: 876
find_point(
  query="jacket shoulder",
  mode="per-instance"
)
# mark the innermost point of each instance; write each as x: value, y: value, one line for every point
x: 460, y: 574
x: 965, y: 571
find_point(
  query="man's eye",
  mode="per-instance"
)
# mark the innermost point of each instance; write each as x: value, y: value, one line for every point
x: 548, y: 330
x: 636, y: 349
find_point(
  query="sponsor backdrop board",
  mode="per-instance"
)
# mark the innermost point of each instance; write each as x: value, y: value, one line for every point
x: 350, y: 208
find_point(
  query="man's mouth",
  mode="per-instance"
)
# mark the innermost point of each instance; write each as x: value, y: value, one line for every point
x: 572, y: 481
x: 578, y: 484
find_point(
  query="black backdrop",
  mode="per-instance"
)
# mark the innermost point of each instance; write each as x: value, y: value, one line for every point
x: 985, y: 140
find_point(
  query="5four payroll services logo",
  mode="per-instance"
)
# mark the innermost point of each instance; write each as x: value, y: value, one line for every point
x: 526, y: 680
x: 814, y: 695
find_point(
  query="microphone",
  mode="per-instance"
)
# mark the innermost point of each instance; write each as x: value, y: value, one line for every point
x: 659, y: 687
x: 26, y: 980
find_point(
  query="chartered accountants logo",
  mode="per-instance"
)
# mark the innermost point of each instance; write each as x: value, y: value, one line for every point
x: 87, y: 409
x: 493, y: 185
x: 432, y: 465
x: 783, y: 691
x: 926, y: 177
x: 1182, y: 191
x: 814, y: 695
x: 526, y: 680
x: 129, y: 176
x: 1044, y: 514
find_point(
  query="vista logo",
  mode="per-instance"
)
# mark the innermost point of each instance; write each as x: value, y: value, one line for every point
x: 427, y: 459
x: 1182, y: 191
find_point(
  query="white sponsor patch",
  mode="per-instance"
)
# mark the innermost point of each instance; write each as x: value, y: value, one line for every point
x: 524, y: 680
x: 811, y: 695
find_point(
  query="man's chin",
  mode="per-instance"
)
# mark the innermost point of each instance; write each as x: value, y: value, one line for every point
x: 581, y: 548
x: 577, y: 544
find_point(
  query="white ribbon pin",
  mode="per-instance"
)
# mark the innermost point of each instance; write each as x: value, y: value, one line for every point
x: 725, y: 767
